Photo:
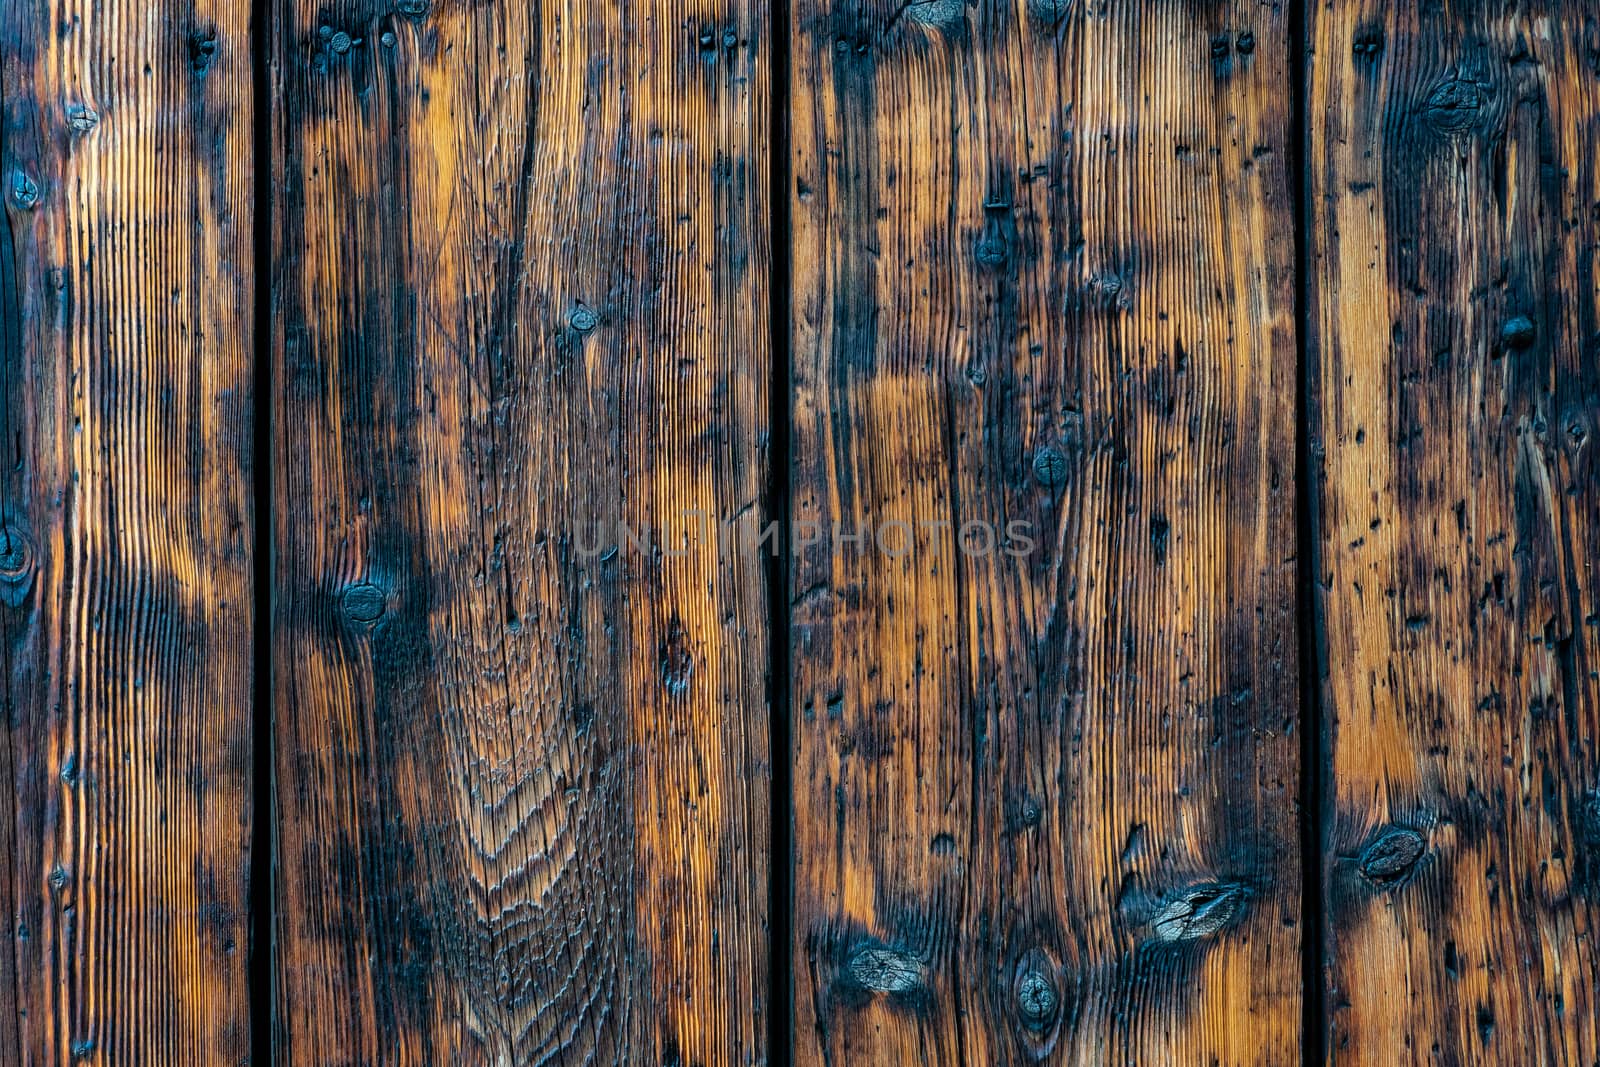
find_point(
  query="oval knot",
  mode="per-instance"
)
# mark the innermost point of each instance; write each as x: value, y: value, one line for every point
x: 1391, y: 856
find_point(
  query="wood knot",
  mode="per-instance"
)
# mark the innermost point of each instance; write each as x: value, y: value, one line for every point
x: 82, y: 118
x: 1160, y: 534
x: 1577, y: 428
x: 878, y: 968
x: 1199, y: 911
x: 991, y: 251
x: 1108, y: 290
x: 24, y: 191
x: 363, y: 602
x: 16, y: 553
x: 582, y: 319
x: 1390, y: 857
x: 1035, y: 992
x: 1050, y: 467
x: 1458, y: 102
x: 16, y: 565
x: 1519, y: 333
x: 677, y: 662
x: 412, y: 9
x: 936, y: 12
x: 1022, y: 813
x: 1246, y: 43
x: 202, y: 51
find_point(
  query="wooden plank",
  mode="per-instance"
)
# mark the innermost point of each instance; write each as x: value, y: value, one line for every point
x: 520, y: 294
x: 1045, y: 800
x: 126, y: 282
x: 1453, y: 191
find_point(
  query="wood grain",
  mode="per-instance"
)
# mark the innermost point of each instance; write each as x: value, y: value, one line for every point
x: 1453, y: 197
x: 520, y: 294
x: 1044, y: 275
x: 126, y: 281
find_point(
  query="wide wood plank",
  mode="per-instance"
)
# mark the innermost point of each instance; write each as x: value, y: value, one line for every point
x: 520, y: 297
x: 126, y: 311
x: 1045, y: 800
x: 1454, y: 191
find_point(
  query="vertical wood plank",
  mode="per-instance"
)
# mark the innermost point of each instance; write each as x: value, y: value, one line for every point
x: 1045, y: 800
x: 1454, y: 190
x: 126, y: 268
x: 520, y: 294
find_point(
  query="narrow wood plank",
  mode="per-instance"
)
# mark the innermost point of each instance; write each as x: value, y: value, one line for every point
x: 1454, y: 189
x: 1044, y: 276
x: 126, y: 281
x: 520, y: 294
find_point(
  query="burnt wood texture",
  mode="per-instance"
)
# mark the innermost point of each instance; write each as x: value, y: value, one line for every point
x: 1452, y: 194
x: 126, y: 532
x: 1127, y: 353
x: 1044, y: 286
x: 520, y: 294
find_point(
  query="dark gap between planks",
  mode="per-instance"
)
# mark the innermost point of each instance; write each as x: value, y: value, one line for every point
x: 1313, y: 1005
x: 780, y: 882
x: 262, y: 824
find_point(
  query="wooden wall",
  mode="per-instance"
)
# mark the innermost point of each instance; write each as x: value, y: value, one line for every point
x: 950, y: 531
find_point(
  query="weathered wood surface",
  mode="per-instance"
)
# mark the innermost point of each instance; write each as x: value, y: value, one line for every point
x: 1043, y: 291
x: 126, y: 280
x: 1043, y: 273
x: 520, y: 296
x: 1453, y: 187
